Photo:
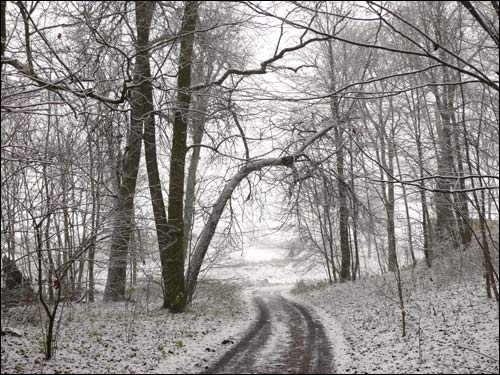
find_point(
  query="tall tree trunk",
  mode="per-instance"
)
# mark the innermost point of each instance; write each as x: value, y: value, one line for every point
x: 3, y: 28
x: 317, y: 203
x: 198, y: 126
x: 117, y: 267
x: 172, y: 255
x: 355, y: 215
x: 155, y: 187
x: 408, y: 219
x: 345, y: 251
x: 461, y: 200
x: 329, y: 227
x: 426, y: 222
x: 391, y: 237
x: 445, y: 228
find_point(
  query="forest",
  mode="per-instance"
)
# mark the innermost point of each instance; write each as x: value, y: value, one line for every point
x: 141, y: 139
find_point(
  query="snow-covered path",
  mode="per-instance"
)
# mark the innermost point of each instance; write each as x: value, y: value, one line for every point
x: 287, y: 337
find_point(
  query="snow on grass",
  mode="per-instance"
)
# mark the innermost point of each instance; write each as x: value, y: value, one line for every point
x: 275, y: 271
x: 451, y: 327
x: 129, y: 337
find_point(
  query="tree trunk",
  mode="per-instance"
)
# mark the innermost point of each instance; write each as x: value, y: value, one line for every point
x: 444, y: 212
x: 215, y: 215
x: 389, y: 205
x: 408, y: 219
x: 354, y: 216
x: 117, y: 267
x: 198, y: 126
x: 445, y: 228
x: 345, y: 268
x: 172, y: 255
x: 95, y: 185
x: 461, y: 200
x: 426, y: 222
x: 3, y: 27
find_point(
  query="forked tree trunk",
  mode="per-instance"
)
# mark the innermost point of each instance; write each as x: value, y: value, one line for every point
x: 117, y: 267
x: 172, y: 255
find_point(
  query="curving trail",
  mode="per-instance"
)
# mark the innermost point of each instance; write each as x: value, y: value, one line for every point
x: 285, y: 339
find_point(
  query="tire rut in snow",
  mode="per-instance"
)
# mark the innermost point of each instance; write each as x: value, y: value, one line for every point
x: 319, y: 347
x: 302, y: 349
x: 242, y: 355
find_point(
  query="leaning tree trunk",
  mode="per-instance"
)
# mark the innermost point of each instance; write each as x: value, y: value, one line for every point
x: 117, y: 268
x: 216, y: 213
x: 218, y: 208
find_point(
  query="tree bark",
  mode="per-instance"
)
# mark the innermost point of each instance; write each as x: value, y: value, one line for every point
x: 426, y: 222
x: 389, y: 206
x: 444, y: 208
x: 345, y: 251
x: 117, y: 267
x: 408, y: 219
x: 3, y: 28
x: 172, y: 255
x: 198, y: 126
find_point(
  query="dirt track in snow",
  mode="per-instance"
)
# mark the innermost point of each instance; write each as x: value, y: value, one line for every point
x: 287, y: 338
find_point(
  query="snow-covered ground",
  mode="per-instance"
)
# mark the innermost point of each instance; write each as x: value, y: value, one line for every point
x: 450, y: 326
x: 265, y: 261
x: 115, y: 338
x: 277, y: 271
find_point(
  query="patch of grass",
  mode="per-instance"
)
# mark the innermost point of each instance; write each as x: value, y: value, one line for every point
x: 19, y: 368
x: 303, y: 286
x: 130, y: 293
x: 97, y: 334
x: 23, y: 352
x: 179, y: 344
x: 41, y: 344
